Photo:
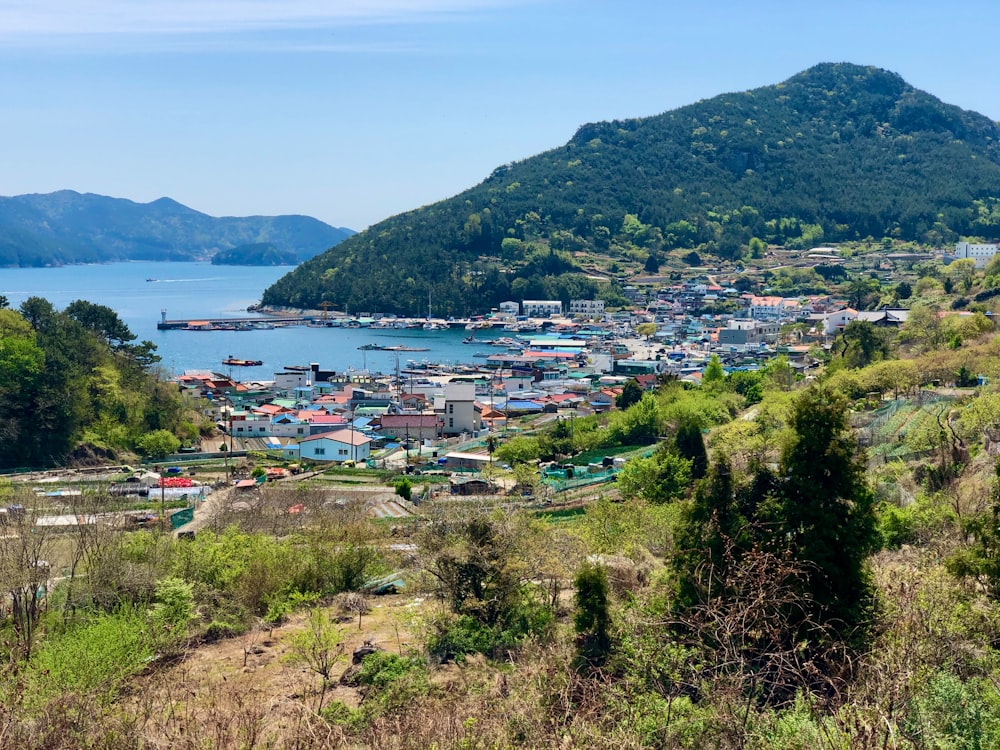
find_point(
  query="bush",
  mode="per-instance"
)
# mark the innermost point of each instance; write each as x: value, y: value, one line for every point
x: 948, y: 712
x: 92, y: 658
x: 404, y: 489
x: 455, y: 636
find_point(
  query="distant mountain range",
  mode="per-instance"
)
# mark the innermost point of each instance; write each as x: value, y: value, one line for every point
x: 69, y: 227
x: 838, y: 152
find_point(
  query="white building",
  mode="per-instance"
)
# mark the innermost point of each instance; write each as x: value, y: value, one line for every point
x: 979, y: 253
x: 287, y: 382
x: 587, y: 307
x: 835, y: 322
x: 541, y: 308
x: 510, y: 308
x: 460, y: 413
x: 774, y: 308
x: 338, y: 446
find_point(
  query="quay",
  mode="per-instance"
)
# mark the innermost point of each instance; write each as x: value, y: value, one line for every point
x: 212, y: 324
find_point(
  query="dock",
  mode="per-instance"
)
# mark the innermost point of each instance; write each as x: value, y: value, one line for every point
x: 245, y: 323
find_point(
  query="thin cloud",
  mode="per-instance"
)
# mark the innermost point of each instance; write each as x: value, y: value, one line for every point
x: 24, y: 21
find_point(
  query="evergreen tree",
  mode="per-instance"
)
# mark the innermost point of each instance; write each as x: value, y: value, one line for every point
x: 631, y: 394
x: 690, y: 445
x: 591, y: 621
x: 827, y: 511
x: 707, y: 527
x: 714, y: 374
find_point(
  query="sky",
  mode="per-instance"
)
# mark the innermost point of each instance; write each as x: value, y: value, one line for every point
x: 355, y: 110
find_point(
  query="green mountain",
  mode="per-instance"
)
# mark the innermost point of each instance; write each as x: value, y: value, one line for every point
x: 255, y: 254
x: 839, y: 152
x: 68, y: 227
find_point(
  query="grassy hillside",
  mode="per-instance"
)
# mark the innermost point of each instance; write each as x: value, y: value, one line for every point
x: 839, y: 152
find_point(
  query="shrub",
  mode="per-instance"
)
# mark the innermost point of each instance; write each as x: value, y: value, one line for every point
x: 453, y: 637
x: 404, y: 489
x: 92, y: 658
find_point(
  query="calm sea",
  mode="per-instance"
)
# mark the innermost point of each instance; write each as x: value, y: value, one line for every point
x: 201, y: 290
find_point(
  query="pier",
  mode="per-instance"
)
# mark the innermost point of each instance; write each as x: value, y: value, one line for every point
x: 215, y: 324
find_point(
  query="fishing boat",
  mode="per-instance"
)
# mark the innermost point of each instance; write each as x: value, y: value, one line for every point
x: 234, y: 362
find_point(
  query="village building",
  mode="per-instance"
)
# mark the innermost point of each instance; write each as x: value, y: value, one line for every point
x: 338, y: 446
x: 460, y: 413
x: 980, y: 253
x: 589, y: 308
x: 541, y: 308
x: 748, y: 332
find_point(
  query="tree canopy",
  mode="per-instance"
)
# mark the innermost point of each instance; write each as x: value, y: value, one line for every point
x: 724, y: 176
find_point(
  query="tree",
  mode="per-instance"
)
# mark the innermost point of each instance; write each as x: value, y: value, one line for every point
x: 690, y: 445
x: 637, y: 425
x: 652, y: 264
x: 648, y: 330
x: 828, y: 511
x: 103, y: 321
x: 661, y: 478
x: 816, y: 514
x: 25, y: 550
x: 478, y: 564
x: 962, y: 272
x: 318, y: 647
x: 631, y: 394
x: 518, y: 450
x: 861, y: 343
x: 158, y: 443
x: 980, y: 560
x: 862, y: 293
x: 713, y: 374
x: 592, y: 621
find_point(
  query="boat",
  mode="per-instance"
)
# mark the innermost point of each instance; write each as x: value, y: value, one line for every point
x: 151, y: 279
x: 469, y: 340
x: 430, y: 326
x: 233, y: 362
x: 371, y: 347
x: 404, y: 348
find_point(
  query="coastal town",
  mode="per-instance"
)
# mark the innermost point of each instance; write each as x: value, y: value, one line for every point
x: 534, y: 358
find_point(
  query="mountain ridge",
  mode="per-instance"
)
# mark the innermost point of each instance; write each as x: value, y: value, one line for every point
x: 65, y: 227
x: 838, y: 152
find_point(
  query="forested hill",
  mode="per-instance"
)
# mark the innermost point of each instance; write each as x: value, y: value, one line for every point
x: 838, y: 152
x: 70, y: 227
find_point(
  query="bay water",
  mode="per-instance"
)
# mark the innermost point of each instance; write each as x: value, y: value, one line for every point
x: 139, y: 291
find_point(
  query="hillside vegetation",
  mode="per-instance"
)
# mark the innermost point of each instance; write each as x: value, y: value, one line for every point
x: 839, y: 152
x: 74, y: 387
x: 754, y: 579
x: 69, y: 227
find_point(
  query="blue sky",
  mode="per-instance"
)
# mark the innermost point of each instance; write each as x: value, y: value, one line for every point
x: 355, y: 110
